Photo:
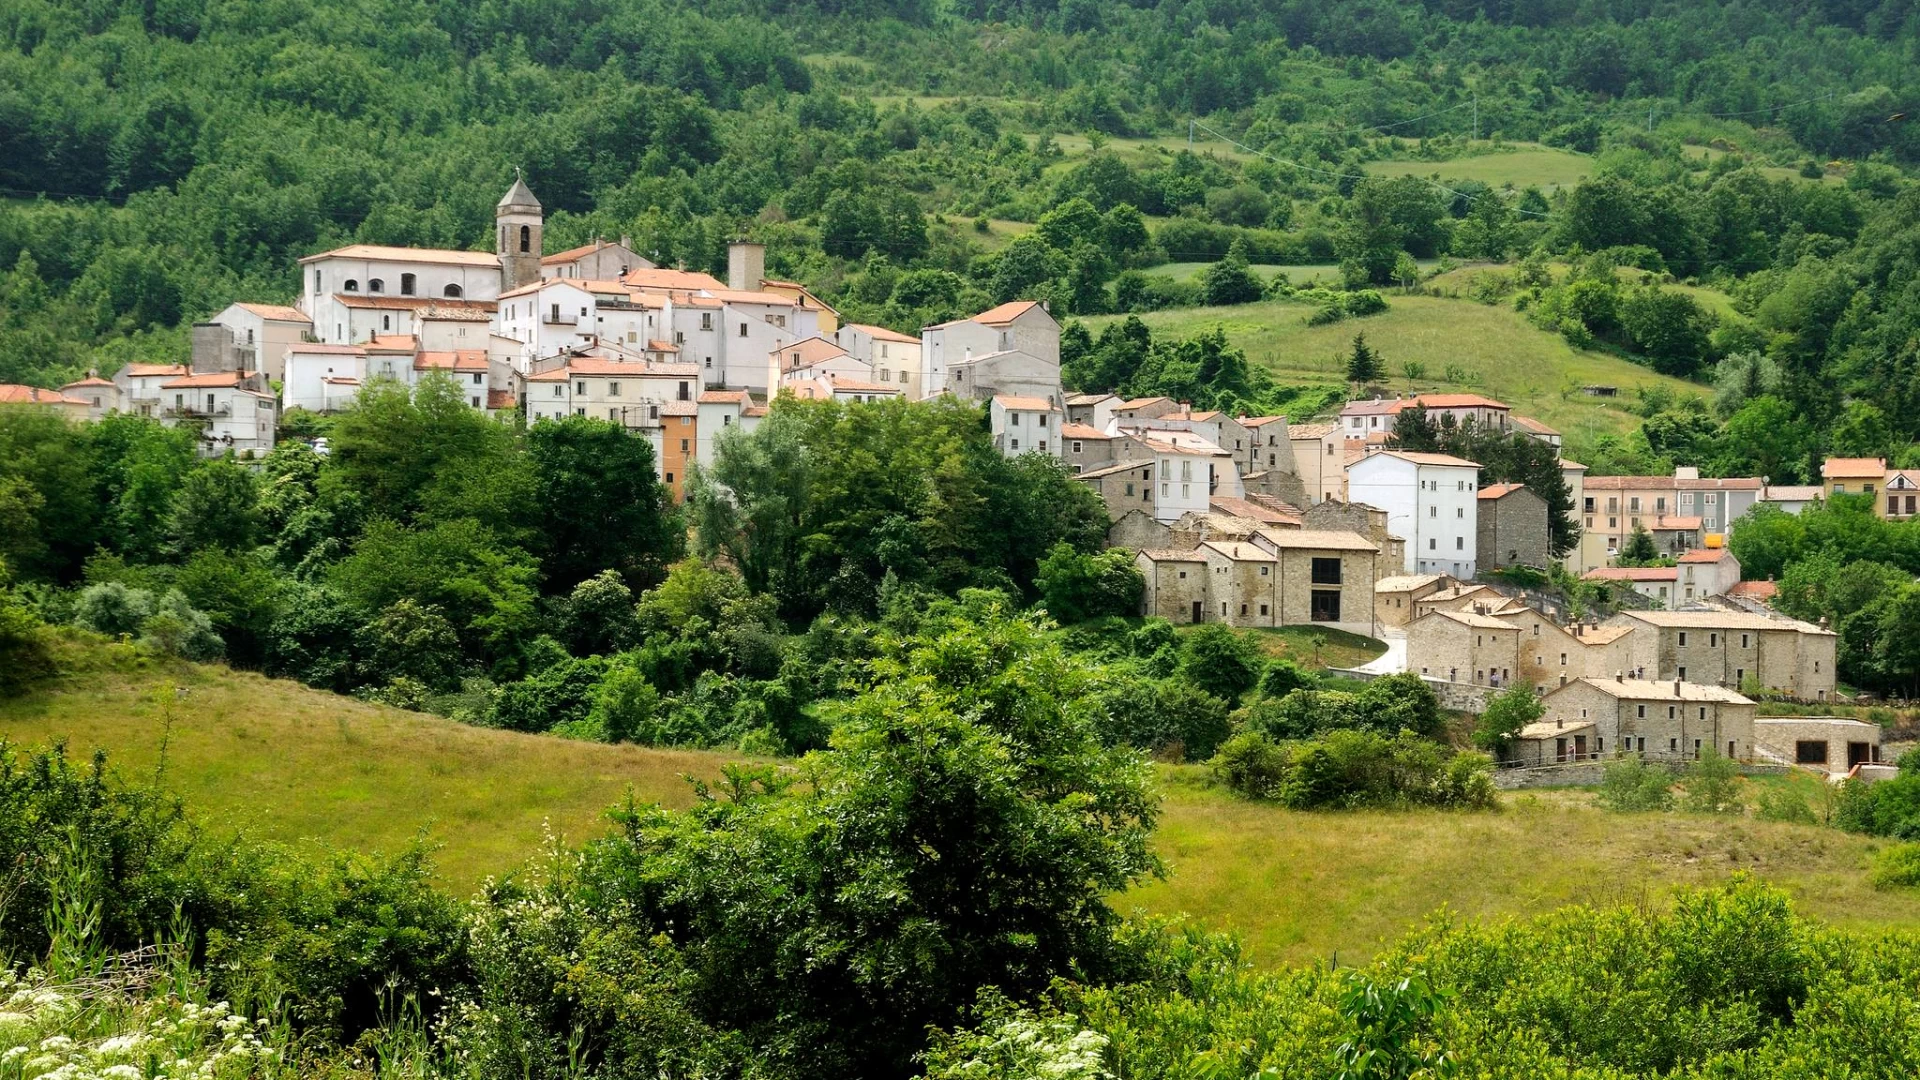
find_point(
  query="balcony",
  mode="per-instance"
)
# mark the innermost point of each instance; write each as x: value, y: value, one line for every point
x: 198, y: 412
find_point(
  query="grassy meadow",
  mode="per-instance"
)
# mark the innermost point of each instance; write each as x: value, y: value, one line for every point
x: 1522, y: 164
x: 282, y: 762
x: 1502, y: 355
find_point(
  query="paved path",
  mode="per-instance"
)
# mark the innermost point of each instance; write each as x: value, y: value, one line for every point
x: 1394, y: 660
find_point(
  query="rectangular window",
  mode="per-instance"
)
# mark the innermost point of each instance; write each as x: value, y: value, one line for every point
x: 1713, y: 641
x: 580, y: 388
x: 1640, y: 711
x: 1325, y: 571
x: 1683, y: 639
x: 613, y: 389
x: 743, y: 329
x: 1809, y: 752
x: 1681, y: 674
x: 1324, y: 605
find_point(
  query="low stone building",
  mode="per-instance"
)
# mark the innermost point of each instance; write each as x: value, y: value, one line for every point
x: 1176, y: 585
x: 1512, y: 528
x: 1457, y: 596
x: 1138, y: 530
x: 1326, y: 578
x: 1550, y: 656
x: 1667, y: 721
x: 1085, y: 448
x: 1727, y: 648
x: 1394, y: 597
x: 1832, y: 744
x: 1369, y: 521
x: 1124, y: 487
x: 1464, y: 647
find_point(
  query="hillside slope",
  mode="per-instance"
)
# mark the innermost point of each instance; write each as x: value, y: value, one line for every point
x: 287, y: 763
x: 284, y: 762
x: 1499, y: 352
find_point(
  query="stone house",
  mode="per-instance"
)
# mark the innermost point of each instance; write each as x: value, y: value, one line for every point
x: 1176, y: 585
x: 1707, y: 571
x: 1726, y: 649
x: 1831, y: 744
x: 1656, y: 583
x: 1136, y: 530
x: 1092, y: 410
x: 1336, y: 515
x: 1668, y: 721
x: 1326, y: 577
x: 1319, y: 453
x: 1394, y: 597
x: 1512, y: 528
x: 1464, y: 647
x: 1550, y: 655
x: 1457, y: 596
x: 1124, y: 486
x: 1085, y: 446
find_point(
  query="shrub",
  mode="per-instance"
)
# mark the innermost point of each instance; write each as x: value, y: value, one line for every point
x: 1897, y: 867
x: 1158, y: 714
x: 1220, y: 660
x: 561, y: 694
x: 176, y: 629
x: 24, y: 652
x: 1363, y: 302
x: 1713, y: 785
x: 1350, y: 769
x: 1630, y: 786
x: 1784, y: 804
x: 1251, y: 765
x: 1510, y: 711
x: 112, y: 608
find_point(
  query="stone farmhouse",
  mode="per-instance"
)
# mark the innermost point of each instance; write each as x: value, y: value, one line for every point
x: 1670, y: 721
x: 1732, y: 650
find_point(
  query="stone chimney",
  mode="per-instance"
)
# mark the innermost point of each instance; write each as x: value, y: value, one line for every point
x: 1676, y: 688
x: 746, y: 265
x: 1619, y: 676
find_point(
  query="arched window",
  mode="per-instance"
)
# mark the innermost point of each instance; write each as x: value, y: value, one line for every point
x: 526, y: 239
x: 453, y: 291
x: 351, y: 286
x: 406, y: 284
x: 376, y: 285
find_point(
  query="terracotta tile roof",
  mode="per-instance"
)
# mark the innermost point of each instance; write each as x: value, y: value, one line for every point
x: 1262, y: 421
x: 1705, y: 555
x: 755, y: 411
x: 881, y: 333
x: 1671, y: 523
x: 16, y: 394
x: 661, y: 345
x: 1864, y: 468
x: 276, y: 312
x: 1454, y: 401
x: 1722, y: 483
x: 1082, y: 431
x: 1428, y: 459
x: 149, y: 371
x: 664, y: 278
x: 1637, y: 689
x: 208, y: 380
x: 1528, y: 423
x: 571, y: 254
x: 724, y: 397
x: 1138, y: 403
x: 427, y: 307
x: 91, y: 380
x: 1500, y: 491
x: 1568, y: 464
x: 339, y: 380
x: 1763, y: 591
x: 860, y: 387
x: 1088, y: 399
x: 1633, y: 573
x: 1311, y: 431
x: 1372, y: 407
x: 599, y: 366
x: 1003, y: 314
x: 680, y: 408
x: 544, y: 284
x: 381, y: 253
x: 392, y: 343
x: 1318, y: 540
x: 469, y: 360
x: 315, y: 348
x: 807, y: 352
x: 1026, y: 404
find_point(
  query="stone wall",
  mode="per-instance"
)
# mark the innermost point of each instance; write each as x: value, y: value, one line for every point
x: 1139, y: 531
x: 1589, y: 774
x: 1462, y: 697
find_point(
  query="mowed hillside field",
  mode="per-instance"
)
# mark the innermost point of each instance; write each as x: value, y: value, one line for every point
x: 1501, y: 354
x: 282, y: 762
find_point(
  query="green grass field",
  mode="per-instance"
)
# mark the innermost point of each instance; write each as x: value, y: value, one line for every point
x: 1525, y: 165
x: 281, y: 762
x: 1502, y: 355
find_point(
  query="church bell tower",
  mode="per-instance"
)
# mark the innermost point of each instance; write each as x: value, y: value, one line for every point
x: 518, y: 220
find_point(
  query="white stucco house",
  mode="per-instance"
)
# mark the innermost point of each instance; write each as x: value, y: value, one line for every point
x: 1430, y: 499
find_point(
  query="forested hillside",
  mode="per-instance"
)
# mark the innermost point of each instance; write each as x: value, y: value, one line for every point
x: 161, y: 159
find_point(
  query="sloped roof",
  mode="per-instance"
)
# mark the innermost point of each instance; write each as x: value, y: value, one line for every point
x: 470, y: 360
x: 1405, y: 582
x: 1318, y: 539
x: 17, y: 394
x: 208, y: 380
x: 1240, y: 551
x: 1107, y: 470
x: 664, y: 278
x: 518, y: 195
x: 725, y: 397
x: 1311, y: 431
x: 1528, y: 423
x: 1253, y: 511
x: 1633, y: 573
x: 1026, y: 404
x: 1002, y: 314
x: 1865, y: 468
x: 1260, y: 421
x: 1500, y: 491
x: 383, y: 253
x: 151, y: 371
x: 1647, y: 689
x: 1082, y: 431
x: 1419, y: 458
x: 881, y: 333
x: 276, y: 312
x: 1706, y: 555
x: 1469, y: 618
x: 1721, y: 620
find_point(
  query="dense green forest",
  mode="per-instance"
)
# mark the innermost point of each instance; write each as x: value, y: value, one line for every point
x: 161, y: 159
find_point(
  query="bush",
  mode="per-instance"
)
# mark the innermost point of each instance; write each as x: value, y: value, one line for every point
x: 1631, y: 786
x: 1897, y: 867
x: 24, y: 652
x: 1352, y: 769
x: 561, y: 694
x: 112, y: 608
x: 1783, y: 803
x: 1221, y: 661
x: 1713, y: 785
x: 1363, y: 302
x: 1160, y: 714
x: 176, y: 629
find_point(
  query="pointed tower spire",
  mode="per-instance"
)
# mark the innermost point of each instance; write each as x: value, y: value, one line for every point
x: 519, y: 220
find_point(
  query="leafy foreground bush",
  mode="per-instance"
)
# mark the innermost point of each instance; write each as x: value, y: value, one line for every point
x: 1631, y: 786
x: 1352, y: 769
x: 1727, y: 984
x: 126, y: 1026
x: 1888, y: 808
x: 1897, y: 867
